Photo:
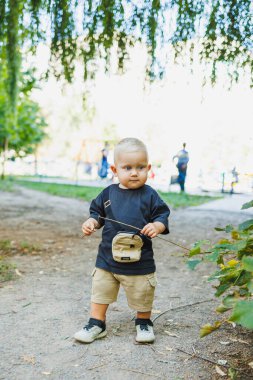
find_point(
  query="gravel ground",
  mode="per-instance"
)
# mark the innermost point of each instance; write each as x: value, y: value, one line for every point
x: 48, y: 301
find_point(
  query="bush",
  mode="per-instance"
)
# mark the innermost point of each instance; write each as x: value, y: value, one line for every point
x: 234, y: 257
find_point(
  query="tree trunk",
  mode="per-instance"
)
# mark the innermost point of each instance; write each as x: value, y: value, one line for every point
x: 36, y: 162
x: 4, y: 157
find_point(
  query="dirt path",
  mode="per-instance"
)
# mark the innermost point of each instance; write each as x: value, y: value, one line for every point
x: 41, y: 310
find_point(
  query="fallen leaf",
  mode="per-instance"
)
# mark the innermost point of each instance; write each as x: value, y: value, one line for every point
x: 240, y: 341
x: 171, y: 334
x: 207, y: 329
x: 250, y: 364
x: 29, y: 359
x: 46, y: 373
x: 18, y: 272
x: 167, y: 348
x: 219, y: 371
x: 225, y: 343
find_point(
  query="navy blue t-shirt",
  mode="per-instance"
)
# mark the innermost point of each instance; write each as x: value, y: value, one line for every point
x: 137, y: 207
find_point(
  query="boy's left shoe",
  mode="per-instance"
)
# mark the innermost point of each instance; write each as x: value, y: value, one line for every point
x: 145, y: 332
x: 95, y: 329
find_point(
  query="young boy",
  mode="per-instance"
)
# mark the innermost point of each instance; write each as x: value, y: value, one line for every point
x: 118, y: 262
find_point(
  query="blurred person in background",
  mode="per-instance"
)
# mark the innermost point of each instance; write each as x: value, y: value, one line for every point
x: 104, y: 166
x: 235, y: 179
x: 182, y: 161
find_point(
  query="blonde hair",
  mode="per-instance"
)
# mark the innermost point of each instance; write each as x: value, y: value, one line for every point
x: 130, y: 144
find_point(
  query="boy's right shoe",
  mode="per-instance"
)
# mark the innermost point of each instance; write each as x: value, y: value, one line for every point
x: 144, y: 329
x: 95, y: 329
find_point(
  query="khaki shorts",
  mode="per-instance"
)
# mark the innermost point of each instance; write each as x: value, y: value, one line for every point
x: 139, y: 289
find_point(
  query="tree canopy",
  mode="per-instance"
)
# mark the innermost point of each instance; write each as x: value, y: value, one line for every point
x: 22, y: 137
x: 217, y: 31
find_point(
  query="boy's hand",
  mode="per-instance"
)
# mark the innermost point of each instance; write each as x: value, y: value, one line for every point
x: 153, y: 229
x: 89, y: 226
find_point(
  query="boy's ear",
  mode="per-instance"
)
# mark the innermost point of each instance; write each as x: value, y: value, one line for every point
x: 149, y: 166
x: 114, y: 170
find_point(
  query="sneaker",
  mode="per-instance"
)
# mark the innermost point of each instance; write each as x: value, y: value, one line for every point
x: 145, y: 332
x: 95, y: 329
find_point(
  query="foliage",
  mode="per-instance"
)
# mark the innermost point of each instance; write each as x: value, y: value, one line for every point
x: 178, y: 200
x: 22, y: 136
x: 10, y: 248
x: 7, y: 186
x: 30, y: 128
x: 234, y: 257
x: 220, y: 31
x: 6, y: 270
x: 88, y: 193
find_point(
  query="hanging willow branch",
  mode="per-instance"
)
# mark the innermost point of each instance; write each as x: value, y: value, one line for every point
x: 12, y: 48
x: 220, y: 31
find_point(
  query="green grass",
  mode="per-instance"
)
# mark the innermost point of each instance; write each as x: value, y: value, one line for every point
x: 87, y: 193
x: 177, y: 200
x: 6, y: 185
x: 7, y: 270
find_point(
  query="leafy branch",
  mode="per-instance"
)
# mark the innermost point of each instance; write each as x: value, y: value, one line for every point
x: 234, y: 258
x: 220, y: 32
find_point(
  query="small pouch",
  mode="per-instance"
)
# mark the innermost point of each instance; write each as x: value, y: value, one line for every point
x: 126, y: 247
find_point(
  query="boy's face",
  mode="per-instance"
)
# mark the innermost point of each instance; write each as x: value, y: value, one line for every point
x: 132, y: 169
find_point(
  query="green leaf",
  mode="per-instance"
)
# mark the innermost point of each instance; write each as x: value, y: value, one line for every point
x: 235, y: 247
x: 221, y: 289
x: 202, y: 242
x: 194, y: 251
x: 238, y: 246
x: 229, y: 228
x: 248, y: 225
x: 213, y: 257
x: 219, y: 229
x: 216, y: 275
x: 250, y: 285
x: 220, y: 260
x: 193, y: 263
x: 243, y: 314
x: 247, y: 205
x: 244, y: 278
x: 226, y: 273
x: 244, y: 292
x: 207, y: 329
x: 232, y: 373
x: 247, y: 263
x: 230, y: 301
